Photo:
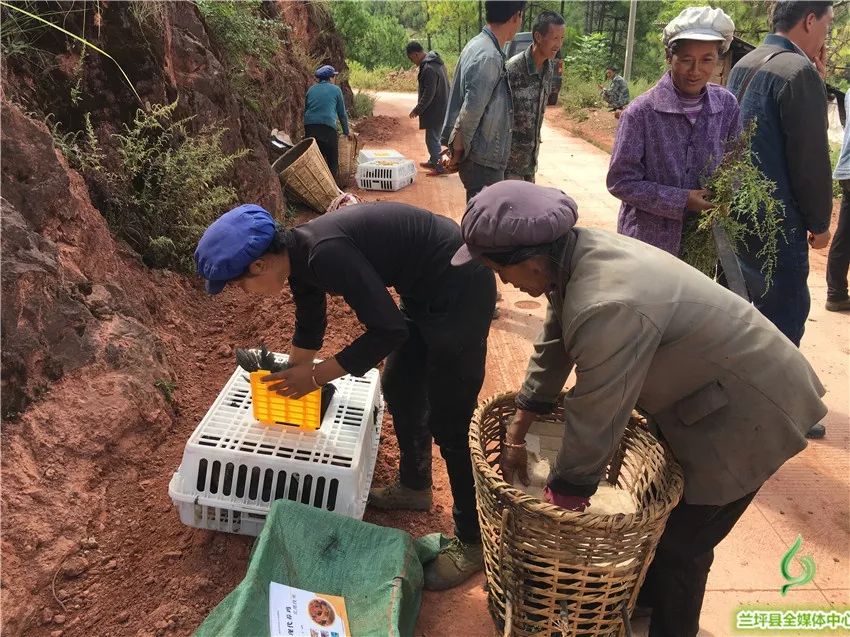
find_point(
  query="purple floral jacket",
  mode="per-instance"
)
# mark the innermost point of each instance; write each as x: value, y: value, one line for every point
x: 659, y: 156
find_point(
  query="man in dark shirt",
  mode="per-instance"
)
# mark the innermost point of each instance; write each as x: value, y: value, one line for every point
x: 435, y: 344
x: 433, y: 96
x: 779, y: 85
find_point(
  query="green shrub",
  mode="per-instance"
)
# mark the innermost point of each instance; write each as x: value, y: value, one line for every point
x: 588, y: 57
x: 382, y: 78
x: 239, y: 29
x: 578, y: 95
x: 364, y: 105
x: 166, y: 187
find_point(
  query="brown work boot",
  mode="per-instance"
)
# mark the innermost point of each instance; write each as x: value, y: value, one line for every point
x: 456, y: 563
x: 398, y: 496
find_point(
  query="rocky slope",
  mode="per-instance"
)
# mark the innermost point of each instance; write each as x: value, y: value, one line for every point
x: 106, y: 364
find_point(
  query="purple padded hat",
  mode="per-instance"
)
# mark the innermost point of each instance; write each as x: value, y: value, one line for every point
x: 513, y: 214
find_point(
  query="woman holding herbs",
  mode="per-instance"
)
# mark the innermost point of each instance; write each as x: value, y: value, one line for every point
x: 672, y: 138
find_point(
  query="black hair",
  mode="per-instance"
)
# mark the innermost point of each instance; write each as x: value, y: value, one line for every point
x: 674, y: 47
x: 413, y: 47
x: 500, y: 11
x: 282, y: 240
x: 612, y: 67
x: 552, y: 251
x: 786, y: 14
x: 544, y: 20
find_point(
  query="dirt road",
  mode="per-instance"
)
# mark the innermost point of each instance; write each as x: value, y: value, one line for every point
x: 809, y: 496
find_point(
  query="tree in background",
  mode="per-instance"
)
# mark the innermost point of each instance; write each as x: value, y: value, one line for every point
x: 376, y: 31
x: 371, y: 38
x: 453, y: 17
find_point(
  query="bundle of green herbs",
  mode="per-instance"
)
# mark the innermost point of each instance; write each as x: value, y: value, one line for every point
x: 745, y: 207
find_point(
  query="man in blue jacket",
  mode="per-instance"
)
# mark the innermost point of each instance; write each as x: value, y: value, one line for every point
x: 477, y: 129
x: 780, y: 85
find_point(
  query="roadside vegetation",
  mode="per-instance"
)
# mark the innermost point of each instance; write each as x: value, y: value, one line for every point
x: 376, y: 32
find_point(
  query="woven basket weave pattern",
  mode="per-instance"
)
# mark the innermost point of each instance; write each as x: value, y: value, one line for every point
x: 556, y: 572
x: 348, y: 149
x: 305, y: 174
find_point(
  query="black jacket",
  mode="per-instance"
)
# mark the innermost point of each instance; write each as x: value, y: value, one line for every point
x: 358, y: 255
x: 787, y: 98
x: 433, y: 91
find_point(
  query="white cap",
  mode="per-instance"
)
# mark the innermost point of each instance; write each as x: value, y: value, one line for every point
x: 700, y: 23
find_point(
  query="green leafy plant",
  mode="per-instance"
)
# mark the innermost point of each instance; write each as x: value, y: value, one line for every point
x: 241, y: 31
x: 167, y: 388
x: 371, y: 39
x: 364, y: 105
x: 745, y: 207
x: 82, y: 155
x: 588, y: 57
x: 166, y: 186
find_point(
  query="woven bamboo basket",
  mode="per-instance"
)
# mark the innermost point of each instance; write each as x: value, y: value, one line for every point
x: 348, y: 149
x: 304, y: 172
x: 556, y: 572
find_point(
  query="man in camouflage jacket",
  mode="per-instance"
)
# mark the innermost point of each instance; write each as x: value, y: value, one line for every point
x: 616, y: 95
x: 530, y: 78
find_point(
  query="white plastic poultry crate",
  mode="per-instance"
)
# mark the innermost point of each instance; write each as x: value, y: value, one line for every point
x: 233, y: 467
x: 371, y: 154
x: 386, y: 174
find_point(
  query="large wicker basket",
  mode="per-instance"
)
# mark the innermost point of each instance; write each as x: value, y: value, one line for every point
x: 557, y: 572
x: 304, y: 172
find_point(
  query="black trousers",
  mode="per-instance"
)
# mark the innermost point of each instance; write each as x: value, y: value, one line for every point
x: 328, y: 142
x: 675, y: 582
x: 839, y: 252
x: 431, y: 386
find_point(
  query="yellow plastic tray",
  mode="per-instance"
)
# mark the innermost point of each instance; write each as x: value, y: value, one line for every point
x: 273, y: 409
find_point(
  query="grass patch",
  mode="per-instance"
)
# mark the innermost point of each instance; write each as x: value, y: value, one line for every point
x: 382, y: 78
x: 579, y: 95
x: 639, y: 86
x: 388, y: 78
